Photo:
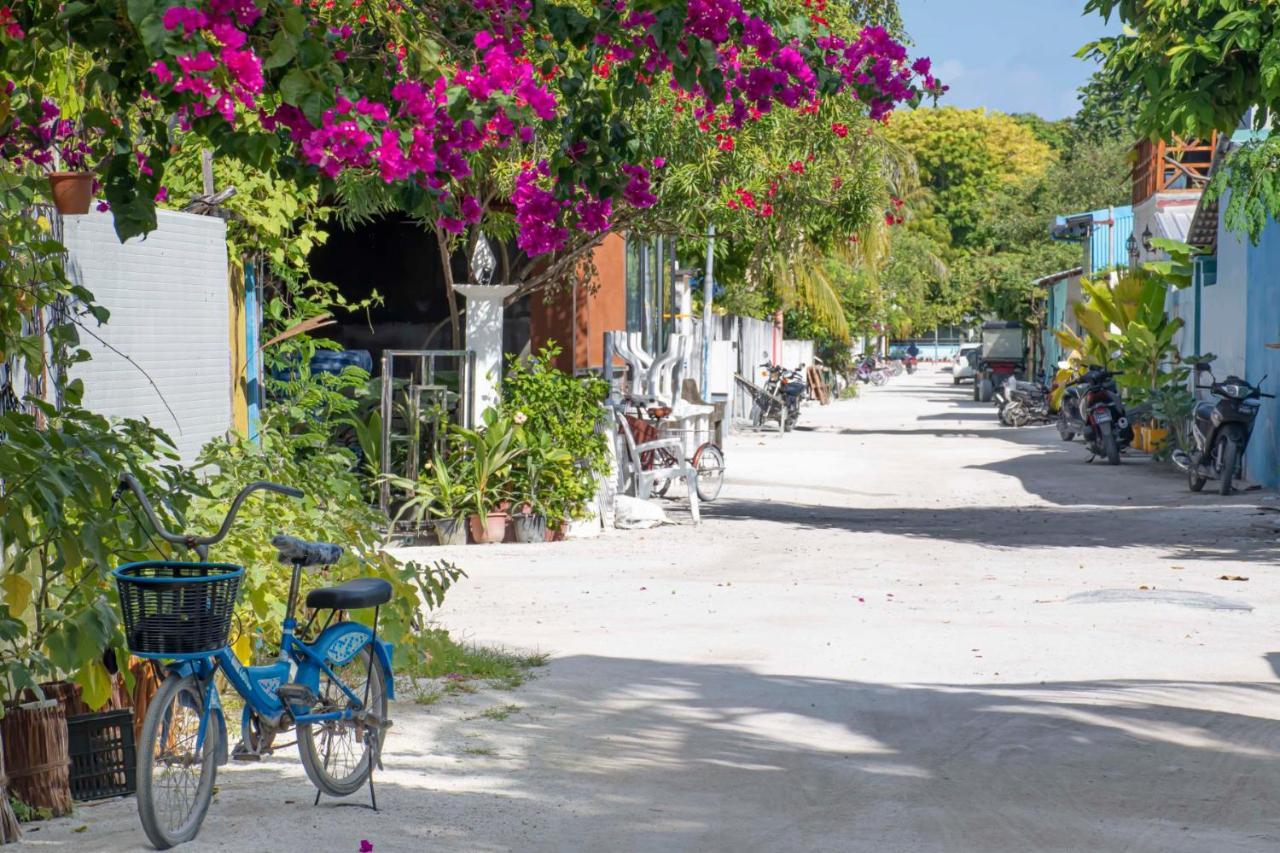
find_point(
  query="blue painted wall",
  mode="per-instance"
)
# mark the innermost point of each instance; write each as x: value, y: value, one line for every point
x: 1262, y: 462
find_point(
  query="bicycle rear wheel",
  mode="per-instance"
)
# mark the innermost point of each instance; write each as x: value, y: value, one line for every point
x: 337, y: 754
x: 709, y: 462
x: 175, y: 782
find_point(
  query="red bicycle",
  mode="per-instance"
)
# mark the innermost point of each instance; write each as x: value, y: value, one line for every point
x: 649, y: 423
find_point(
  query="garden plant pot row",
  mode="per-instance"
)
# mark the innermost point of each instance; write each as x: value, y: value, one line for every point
x: 495, y: 527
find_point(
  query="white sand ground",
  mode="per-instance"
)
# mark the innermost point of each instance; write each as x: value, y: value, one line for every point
x: 902, y: 628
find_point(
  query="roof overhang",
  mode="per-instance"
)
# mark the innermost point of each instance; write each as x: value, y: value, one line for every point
x: 1054, y: 278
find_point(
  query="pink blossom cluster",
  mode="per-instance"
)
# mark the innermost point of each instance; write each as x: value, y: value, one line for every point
x: 9, y: 25
x: 48, y: 141
x: 541, y: 213
x: 418, y: 136
x: 214, y: 83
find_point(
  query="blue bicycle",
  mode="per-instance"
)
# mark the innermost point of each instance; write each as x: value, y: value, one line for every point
x: 333, y: 688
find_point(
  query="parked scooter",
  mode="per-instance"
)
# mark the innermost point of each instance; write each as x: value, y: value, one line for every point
x: 1220, y: 431
x: 1023, y: 403
x: 1091, y: 407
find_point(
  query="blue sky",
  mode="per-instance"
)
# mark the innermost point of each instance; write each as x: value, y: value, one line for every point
x: 1010, y: 55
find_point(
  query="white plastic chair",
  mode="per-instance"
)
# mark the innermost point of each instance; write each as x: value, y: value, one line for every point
x: 663, y: 469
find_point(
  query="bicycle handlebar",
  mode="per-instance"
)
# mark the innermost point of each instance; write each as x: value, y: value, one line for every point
x: 128, y: 481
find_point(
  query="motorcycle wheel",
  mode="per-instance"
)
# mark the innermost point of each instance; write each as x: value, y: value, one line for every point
x: 1111, y: 448
x: 1064, y: 429
x: 1229, y: 460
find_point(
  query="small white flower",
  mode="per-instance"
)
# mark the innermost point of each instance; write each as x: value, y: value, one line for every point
x: 519, y: 417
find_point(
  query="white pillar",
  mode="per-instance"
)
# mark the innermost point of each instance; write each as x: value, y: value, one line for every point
x: 484, y: 338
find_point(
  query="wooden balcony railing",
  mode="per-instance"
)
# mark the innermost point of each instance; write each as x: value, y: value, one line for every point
x: 1171, y: 167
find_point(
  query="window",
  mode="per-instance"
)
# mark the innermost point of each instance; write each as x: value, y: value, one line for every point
x: 650, y: 265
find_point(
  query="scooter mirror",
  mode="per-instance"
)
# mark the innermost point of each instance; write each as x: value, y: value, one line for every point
x: 1202, y: 367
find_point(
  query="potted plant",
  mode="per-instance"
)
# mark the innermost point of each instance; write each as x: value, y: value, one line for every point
x: 487, y: 455
x: 436, y: 493
x: 537, y: 483
x: 56, y: 144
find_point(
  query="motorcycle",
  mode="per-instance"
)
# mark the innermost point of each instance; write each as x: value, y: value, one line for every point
x: 1220, y: 431
x: 1024, y: 403
x: 909, y: 361
x: 1091, y: 407
x: 780, y: 397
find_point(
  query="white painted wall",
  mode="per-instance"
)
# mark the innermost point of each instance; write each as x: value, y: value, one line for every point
x: 168, y: 296
x: 796, y: 353
x: 1224, y: 306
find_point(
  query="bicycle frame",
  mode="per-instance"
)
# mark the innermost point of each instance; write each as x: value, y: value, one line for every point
x: 298, y: 663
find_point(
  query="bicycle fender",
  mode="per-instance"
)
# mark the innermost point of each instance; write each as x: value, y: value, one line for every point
x: 341, y: 642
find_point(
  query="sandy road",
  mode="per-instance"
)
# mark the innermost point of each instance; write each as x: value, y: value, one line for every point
x: 902, y: 628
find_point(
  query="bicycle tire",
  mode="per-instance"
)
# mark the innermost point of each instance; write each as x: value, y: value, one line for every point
x: 155, y: 727
x: 317, y: 765
x: 710, y: 459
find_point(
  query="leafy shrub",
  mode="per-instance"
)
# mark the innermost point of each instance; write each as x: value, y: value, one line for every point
x: 568, y: 409
x: 334, y: 509
x: 61, y: 537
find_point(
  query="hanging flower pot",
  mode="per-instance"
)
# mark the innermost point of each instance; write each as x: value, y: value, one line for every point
x: 488, y: 528
x: 72, y: 191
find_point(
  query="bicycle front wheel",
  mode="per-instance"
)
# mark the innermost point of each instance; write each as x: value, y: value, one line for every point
x: 175, y: 772
x: 337, y: 754
x: 709, y: 463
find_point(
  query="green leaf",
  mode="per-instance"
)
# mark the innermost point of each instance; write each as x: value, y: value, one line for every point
x: 95, y: 683
x: 295, y: 86
x: 283, y: 50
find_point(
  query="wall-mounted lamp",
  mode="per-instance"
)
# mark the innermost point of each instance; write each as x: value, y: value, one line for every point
x: 1132, y: 245
x: 1146, y: 238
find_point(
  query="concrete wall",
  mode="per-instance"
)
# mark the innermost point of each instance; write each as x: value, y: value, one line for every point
x: 169, y: 298
x: 796, y: 353
x: 1224, y: 306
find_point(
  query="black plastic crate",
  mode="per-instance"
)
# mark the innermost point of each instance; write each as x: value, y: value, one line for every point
x: 103, y: 760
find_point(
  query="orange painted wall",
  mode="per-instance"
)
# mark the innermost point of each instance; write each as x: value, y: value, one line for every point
x: 578, y: 319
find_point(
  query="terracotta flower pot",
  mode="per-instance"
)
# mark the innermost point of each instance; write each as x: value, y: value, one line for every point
x: 450, y: 531
x: 555, y: 533
x: 488, y: 528
x: 72, y: 192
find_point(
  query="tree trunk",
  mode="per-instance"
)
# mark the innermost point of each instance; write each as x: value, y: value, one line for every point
x: 446, y: 264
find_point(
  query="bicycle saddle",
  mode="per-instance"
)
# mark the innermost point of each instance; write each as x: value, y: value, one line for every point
x: 352, y: 595
x: 304, y: 553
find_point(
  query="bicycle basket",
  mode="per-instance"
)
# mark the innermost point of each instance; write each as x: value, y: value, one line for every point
x: 173, y: 609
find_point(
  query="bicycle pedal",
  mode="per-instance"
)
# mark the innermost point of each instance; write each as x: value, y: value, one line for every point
x: 244, y: 753
x: 297, y: 695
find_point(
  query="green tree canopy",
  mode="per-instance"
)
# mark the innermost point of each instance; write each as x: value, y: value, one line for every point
x: 1192, y: 67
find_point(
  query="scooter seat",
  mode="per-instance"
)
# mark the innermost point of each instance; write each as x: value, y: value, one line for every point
x: 352, y: 595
